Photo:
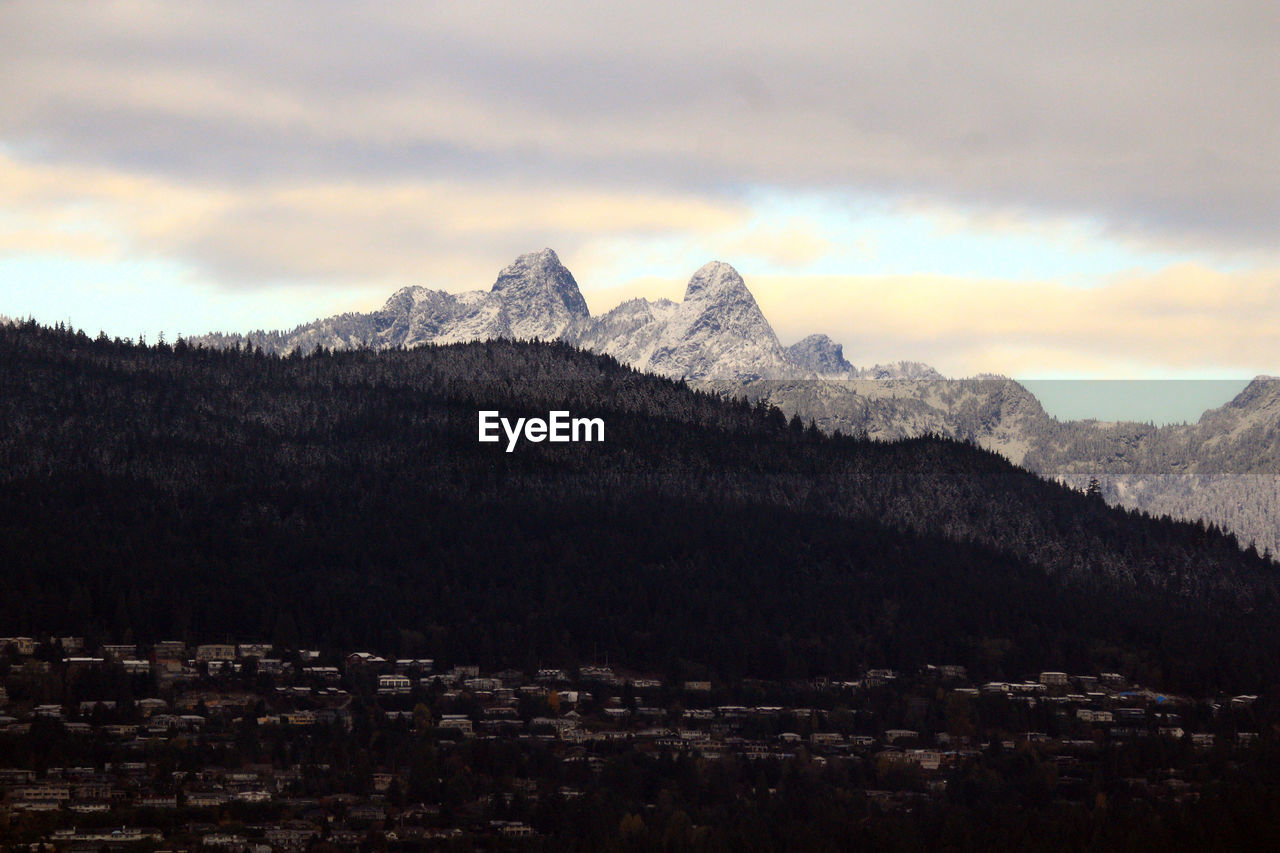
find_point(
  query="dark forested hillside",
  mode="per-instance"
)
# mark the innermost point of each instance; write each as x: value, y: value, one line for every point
x: 342, y: 498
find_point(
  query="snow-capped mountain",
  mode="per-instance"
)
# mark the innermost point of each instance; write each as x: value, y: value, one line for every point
x: 819, y: 357
x: 717, y: 331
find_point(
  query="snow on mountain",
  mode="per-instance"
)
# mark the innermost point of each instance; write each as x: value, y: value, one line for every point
x: 718, y: 330
x: 630, y: 333
x: 1221, y: 468
x: 540, y: 296
x: 902, y: 370
x: 821, y: 356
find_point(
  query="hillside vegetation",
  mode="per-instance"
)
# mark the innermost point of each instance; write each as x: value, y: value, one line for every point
x: 339, y: 498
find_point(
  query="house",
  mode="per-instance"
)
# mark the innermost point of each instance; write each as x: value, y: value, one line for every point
x: 90, y: 705
x: 215, y: 652
x: 325, y: 673
x: 415, y: 665
x: 44, y: 791
x: 603, y: 674
x: 157, y: 802
x: 222, y: 839
x: 366, y: 812
x: 925, y: 759
x: 206, y: 799
x: 292, y: 837
x: 394, y: 684
x: 516, y: 829
x: 1053, y: 679
x: 22, y: 646
x: 461, y: 722
x: 364, y: 659
x: 1091, y: 715
x: 70, y: 645
x: 169, y: 650
x: 120, y: 651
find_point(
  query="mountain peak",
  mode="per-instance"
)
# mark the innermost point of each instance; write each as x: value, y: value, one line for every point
x: 718, y: 330
x: 539, y: 294
x: 716, y: 280
x: 820, y: 355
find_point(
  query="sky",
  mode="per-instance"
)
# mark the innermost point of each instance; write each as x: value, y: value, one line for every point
x: 1046, y: 191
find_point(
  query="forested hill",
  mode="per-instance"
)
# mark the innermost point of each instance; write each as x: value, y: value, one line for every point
x: 342, y: 498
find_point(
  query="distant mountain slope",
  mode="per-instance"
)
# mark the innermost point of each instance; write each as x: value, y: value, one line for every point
x: 343, y: 498
x: 1223, y: 469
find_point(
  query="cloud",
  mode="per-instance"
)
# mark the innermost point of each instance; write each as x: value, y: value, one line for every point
x: 1136, y: 324
x: 274, y: 146
x: 444, y: 230
x: 1155, y: 119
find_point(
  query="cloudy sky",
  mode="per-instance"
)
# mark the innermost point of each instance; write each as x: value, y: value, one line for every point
x: 1084, y: 189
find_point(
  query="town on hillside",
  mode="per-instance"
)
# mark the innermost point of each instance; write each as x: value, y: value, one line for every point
x: 249, y: 747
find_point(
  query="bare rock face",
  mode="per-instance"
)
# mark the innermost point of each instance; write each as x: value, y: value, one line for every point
x: 719, y: 331
x: 540, y: 296
x: 630, y: 333
x: 821, y: 356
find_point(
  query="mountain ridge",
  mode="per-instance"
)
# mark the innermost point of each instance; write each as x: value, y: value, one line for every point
x: 342, y: 496
x: 718, y: 337
x: 717, y: 331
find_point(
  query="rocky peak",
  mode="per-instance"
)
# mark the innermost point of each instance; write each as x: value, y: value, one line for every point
x: 820, y: 355
x: 540, y: 296
x: 907, y: 370
x: 718, y: 331
x: 717, y: 282
x: 405, y: 299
